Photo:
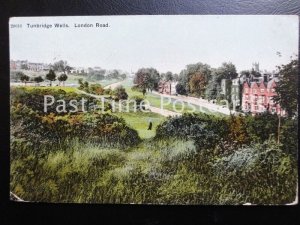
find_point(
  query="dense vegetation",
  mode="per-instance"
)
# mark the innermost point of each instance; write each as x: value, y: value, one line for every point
x: 193, y: 159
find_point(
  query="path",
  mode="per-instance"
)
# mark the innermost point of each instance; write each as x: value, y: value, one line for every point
x: 198, y: 102
x: 113, y: 85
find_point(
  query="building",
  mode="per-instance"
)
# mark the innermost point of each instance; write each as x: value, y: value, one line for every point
x: 236, y: 94
x: 258, y: 97
x: 37, y: 66
x: 18, y: 64
x: 25, y: 65
x: 167, y: 87
x: 226, y: 88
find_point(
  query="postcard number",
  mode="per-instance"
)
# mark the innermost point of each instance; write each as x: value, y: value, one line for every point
x: 16, y: 26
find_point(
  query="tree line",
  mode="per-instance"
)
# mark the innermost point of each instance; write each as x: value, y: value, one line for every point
x: 201, y: 80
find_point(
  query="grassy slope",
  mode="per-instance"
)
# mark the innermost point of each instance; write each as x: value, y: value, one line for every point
x: 140, y: 121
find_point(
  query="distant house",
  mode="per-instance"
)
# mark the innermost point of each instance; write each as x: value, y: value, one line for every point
x: 226, y: 88
x: 18, y: 64
x: 258, y: 97
x: 236, y: 93
x: 24, y: 64
x: 167, y: 87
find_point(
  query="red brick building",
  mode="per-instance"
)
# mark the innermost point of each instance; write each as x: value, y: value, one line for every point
x: 258, y: 97
x: 167, y: 87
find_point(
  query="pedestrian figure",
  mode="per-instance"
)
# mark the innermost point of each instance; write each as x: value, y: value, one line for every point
x: 150, y: 125
x: 144, y: 92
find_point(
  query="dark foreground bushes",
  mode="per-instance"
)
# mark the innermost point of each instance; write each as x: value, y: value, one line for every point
x: 160, y: 172
x: 228, y: 133
x: 28, y: 121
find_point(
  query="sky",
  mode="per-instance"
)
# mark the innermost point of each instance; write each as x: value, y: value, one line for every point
x: 167, y: 43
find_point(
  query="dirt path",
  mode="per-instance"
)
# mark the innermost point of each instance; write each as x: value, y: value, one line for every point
x: 113, y: 85
x: 163, y: 112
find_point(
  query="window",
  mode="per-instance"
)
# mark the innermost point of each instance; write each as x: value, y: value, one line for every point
x: 256, y: 107
x: 254, y: 91
x: 262, y: 90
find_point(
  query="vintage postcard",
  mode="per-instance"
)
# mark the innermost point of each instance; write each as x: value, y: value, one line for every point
x: 185, y: 109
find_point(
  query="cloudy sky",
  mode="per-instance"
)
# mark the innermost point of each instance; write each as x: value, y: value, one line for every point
x: 167, y: 43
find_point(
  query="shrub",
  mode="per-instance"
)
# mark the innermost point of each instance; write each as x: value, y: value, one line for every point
x: 120, y: 93
x: 261, y: 173
x: 204, y: 129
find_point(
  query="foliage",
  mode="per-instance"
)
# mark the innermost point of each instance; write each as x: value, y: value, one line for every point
x: 287, y: 87
x: 120, y: 93
x: 197, y: 84
x: 62, y: 78
x: 205, y: 130
x: 96, y: 89
x: 51, y: 76
x: 166, y: 171
x: 96, y: 75
x: 61, y: 66
x: 226, y: 71
x: 147, y: 78
x: 38, y: 79
x: 115, y: 74
x: 180, y: 89
x: 24, y: 78
x: 260, y: 173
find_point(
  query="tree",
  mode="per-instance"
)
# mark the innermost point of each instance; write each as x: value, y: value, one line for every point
x: 96, y: 89
x: 192, y: 69
x: 61, y: 66
x: 62, y: 78
x: 169, y: 76
x: 38, y: 79
x: 81, y: 84
x: 226, y: 71
x: 175, y: 77
x: 114, y: 74
x: 245, y: 73
x: 287, y: 89
x: 51, y: 76
x: 120, y: 93
x: 19, y: 75
x: 24, y: 78
x: 180, y: 89
x: 147, y: 78
x: 255, y: 73
x: 197, y: 84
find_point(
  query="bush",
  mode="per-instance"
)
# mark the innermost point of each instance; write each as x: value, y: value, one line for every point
x: 120, y: 93
x: 96, y: 89
x: 204, y: 129
x: 261, y: 173
x: 34, y: 99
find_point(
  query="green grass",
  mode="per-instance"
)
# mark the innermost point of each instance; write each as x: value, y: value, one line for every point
x: 66, y: 89
x: 140, y: 121
x: 155, y: 101
x: 157, y: 172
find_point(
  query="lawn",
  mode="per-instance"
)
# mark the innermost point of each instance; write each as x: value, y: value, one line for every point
x: 171, y: 105
x: 140, y: 122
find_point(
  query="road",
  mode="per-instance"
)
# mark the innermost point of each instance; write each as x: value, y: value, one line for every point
x: 198, y: 102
